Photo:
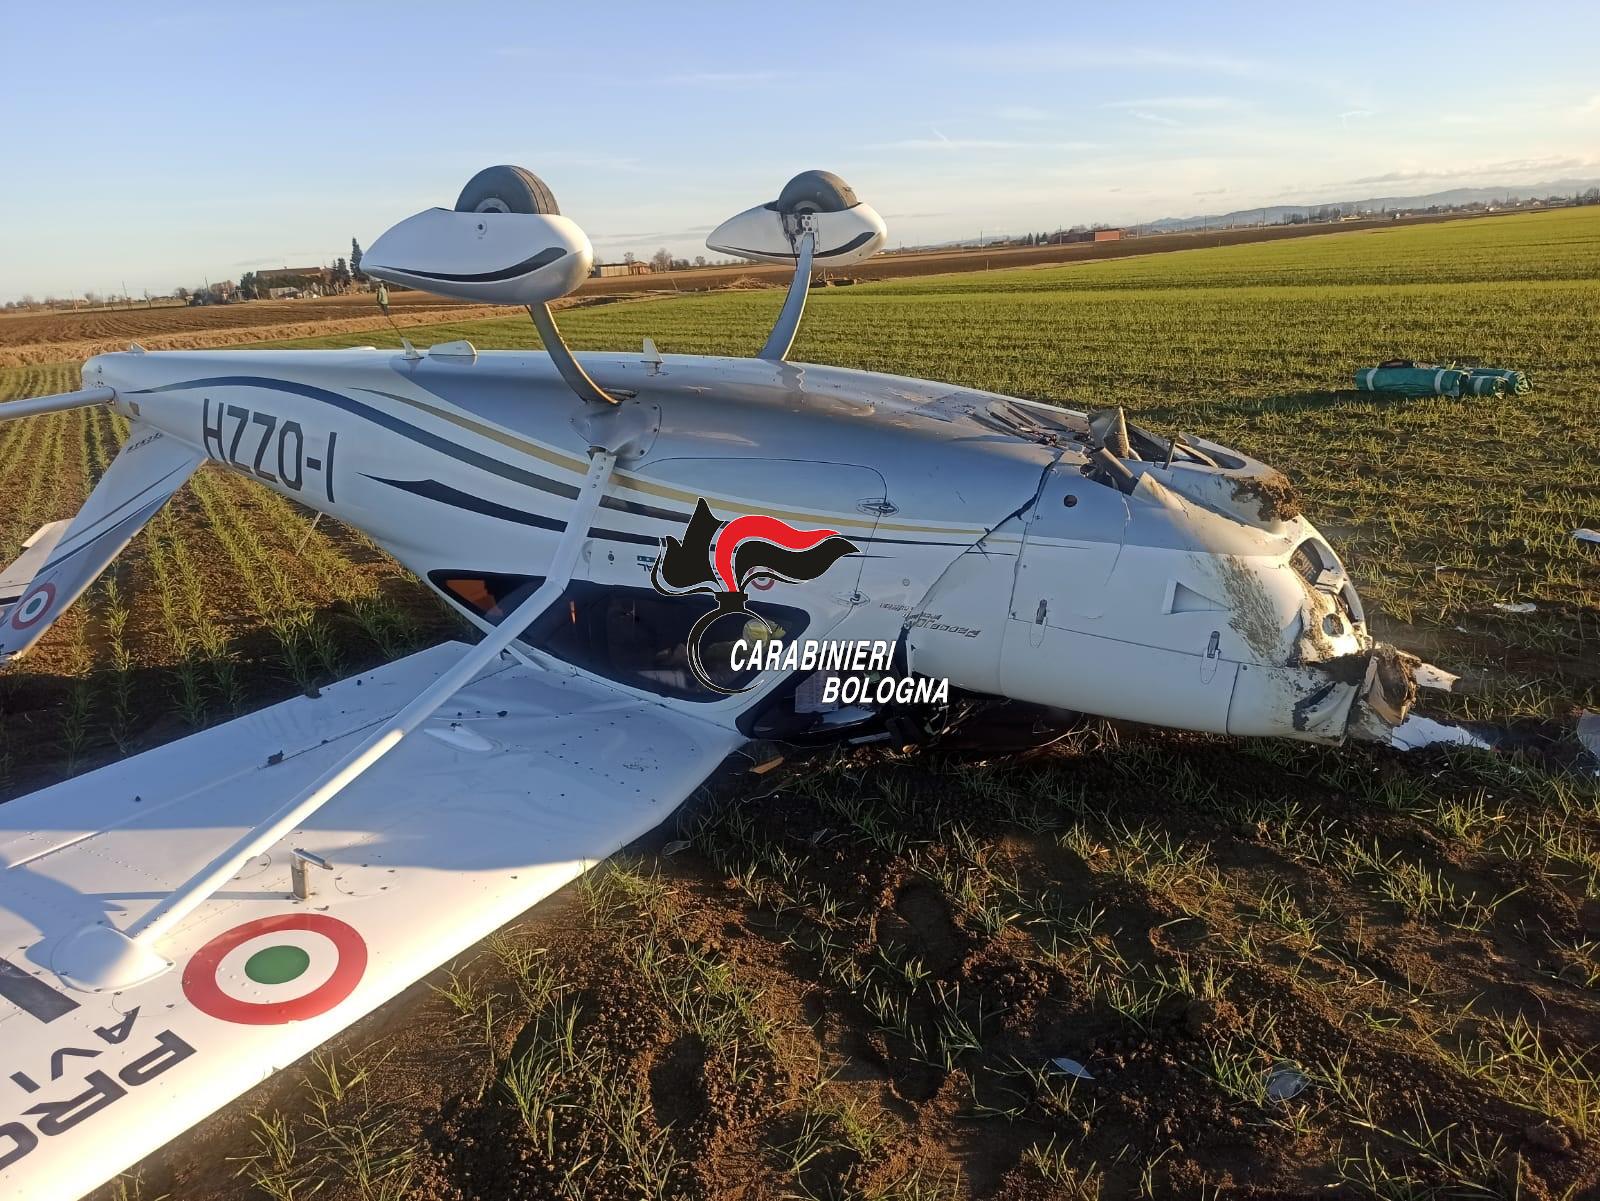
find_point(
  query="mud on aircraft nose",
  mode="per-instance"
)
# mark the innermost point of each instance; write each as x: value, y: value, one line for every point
x: 1317, y: 673
x: 1181, y: 598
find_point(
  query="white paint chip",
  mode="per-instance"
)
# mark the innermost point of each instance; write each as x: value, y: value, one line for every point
x: 1589, y: 732
x: 1285, y: 1083
x: 1417, y: 731
x: 1428, y: 676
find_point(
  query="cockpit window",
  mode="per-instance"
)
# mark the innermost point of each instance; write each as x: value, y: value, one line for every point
x: 489, y: 594
x: 635, y: 636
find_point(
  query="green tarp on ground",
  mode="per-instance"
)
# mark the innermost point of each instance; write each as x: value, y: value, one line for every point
x: 1498, y: 381
x: 1406, y: 378
x: 1412, y: 379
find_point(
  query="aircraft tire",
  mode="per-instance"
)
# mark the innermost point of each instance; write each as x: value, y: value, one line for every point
x: 816, y: 192
x: 506, y: 189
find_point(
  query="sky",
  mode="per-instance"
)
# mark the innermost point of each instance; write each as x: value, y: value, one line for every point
x: 152, y: 145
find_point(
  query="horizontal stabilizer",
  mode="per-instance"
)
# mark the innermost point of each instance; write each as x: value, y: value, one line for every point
x: 39, y: 587
x: 14, y: 580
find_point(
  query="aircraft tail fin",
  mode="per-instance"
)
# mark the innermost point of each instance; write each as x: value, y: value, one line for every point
x: 65, y: 557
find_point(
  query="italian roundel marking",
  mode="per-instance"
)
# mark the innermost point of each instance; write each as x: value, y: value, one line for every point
x: 274, y: 970
x: 31, y: 609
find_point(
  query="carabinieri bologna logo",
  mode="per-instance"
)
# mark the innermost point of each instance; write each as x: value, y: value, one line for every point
x: 273, y: 970
x: 726, y: 560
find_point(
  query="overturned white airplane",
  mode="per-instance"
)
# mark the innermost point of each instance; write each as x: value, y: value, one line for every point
x: 671, y: 558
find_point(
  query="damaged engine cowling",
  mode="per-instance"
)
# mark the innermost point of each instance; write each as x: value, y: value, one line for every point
x: 1175, y: 583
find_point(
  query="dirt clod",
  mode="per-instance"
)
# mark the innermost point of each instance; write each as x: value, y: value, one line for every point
x: 1547, y: 1136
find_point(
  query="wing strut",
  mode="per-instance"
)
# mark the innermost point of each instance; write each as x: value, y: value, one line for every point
x: 102, y: 957
x: 781, y: 339
x: 58, y: 403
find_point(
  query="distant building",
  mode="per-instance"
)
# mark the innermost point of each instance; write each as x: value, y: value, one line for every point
x: 309, y: 279
x: 1086, y: 235
x: 221, y: 292
x: 606, y: 270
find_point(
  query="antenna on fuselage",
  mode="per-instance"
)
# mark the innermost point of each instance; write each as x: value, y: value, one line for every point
x: 505, y: 242
x: 816, y: 216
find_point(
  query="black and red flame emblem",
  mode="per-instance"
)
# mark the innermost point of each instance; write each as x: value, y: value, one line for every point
x: 725, y: 560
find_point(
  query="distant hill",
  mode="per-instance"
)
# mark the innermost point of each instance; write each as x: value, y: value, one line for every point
x: 1452, y: 198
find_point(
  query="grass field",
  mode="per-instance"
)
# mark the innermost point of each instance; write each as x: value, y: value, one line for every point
x: 849, y: 979
x: 67, y: 335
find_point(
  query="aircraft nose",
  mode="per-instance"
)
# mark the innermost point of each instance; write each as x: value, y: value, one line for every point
x: 1317, y: 675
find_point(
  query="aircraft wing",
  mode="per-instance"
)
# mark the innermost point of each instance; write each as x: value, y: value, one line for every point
x: 515, y: 786
x: 59, y: 563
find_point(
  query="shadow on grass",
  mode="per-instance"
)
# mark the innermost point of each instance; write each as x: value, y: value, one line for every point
x: 50, y: 730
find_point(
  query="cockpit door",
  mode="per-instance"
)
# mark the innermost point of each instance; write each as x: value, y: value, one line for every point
x: 1071, y: 541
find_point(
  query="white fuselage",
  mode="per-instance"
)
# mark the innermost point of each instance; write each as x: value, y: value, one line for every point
x: 984, y: 545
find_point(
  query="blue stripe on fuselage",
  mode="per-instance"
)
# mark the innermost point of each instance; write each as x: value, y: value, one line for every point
x: 458, y: 452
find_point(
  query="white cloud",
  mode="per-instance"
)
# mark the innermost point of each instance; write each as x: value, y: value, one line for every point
x: 1188, y: 104
x: 672, y: 237
x: 725, y: 79
x: 1356, y: 114
x: 1056, y: 56
x: 950, y: 145
x: 1154, y: 118
x: 1022, y: 112
x: 1476, y: 170
x: 587, y: 162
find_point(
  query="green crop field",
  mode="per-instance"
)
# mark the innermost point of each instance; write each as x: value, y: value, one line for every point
x: 852, y: 977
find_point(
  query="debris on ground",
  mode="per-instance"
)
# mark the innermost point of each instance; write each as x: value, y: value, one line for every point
x: 1497, y: 381
x: 1589, y: 732
x: 1417, y: 732
x: 1434, y: 678
x: 1405, y: 377
x: 1590, y: 536
x: 1516, y: 607
x: 1285, y: 1083
x: 1072, y: 1068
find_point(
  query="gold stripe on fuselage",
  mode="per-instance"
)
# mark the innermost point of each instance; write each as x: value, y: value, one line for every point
x: 638, y: 484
